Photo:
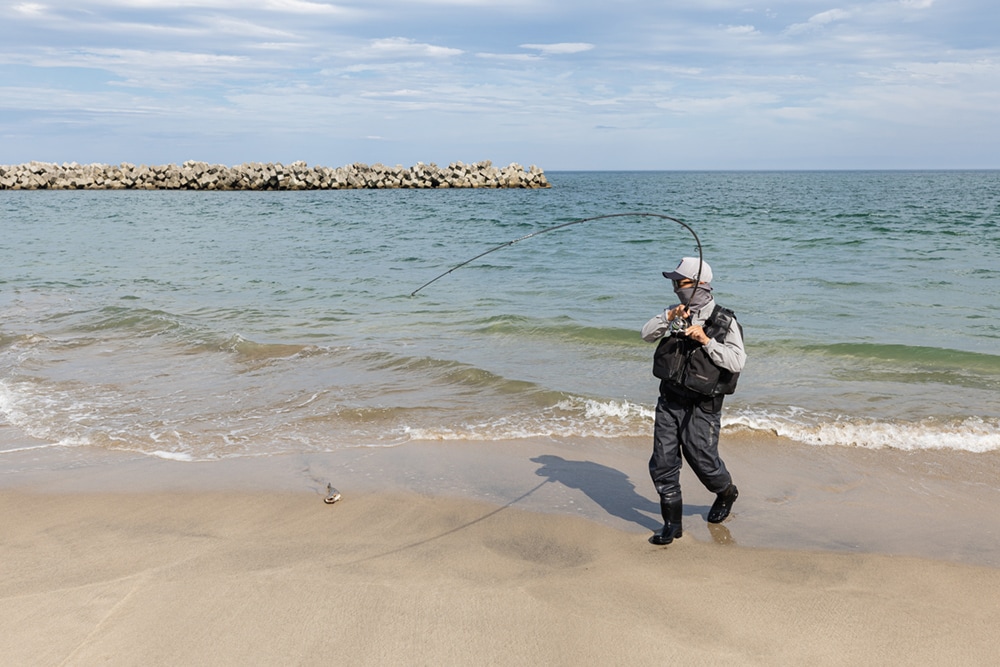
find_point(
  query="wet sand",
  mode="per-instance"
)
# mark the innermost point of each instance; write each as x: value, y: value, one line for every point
x: 498, y: 553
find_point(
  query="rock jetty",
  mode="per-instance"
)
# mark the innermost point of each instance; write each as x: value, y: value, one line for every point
x: 265, y: 176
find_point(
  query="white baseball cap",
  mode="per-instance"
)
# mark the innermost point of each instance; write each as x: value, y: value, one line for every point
x: 688, y: 268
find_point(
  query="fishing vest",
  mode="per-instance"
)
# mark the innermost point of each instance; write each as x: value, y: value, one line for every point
x: 684, y: 367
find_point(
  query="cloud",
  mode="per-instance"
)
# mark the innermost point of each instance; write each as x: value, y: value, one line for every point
x: 522, y: 57
x: 983, y: 73
x: 741, y: 30
x: 817, y: 21
x: 29, y: 8
x: 560, y: 48
x: 801, y: 114
x: 395, y: 93
x: 542, y: 76
x: 404, y: 47
x: 245, y: 28
x: 717, y: 105
x: 279, y: 6
x: 299, y: 7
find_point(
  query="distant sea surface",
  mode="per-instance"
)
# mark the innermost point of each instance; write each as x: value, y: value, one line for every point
x: 198, y: 325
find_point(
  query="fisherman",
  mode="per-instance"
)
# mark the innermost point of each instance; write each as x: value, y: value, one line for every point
x: 698, y: 361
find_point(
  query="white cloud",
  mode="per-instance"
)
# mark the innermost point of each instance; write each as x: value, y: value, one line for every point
x: 29, y: 8
x: 819, y: 20
x: 403, y: 47
x: 282, y: 6
x: 560, y: 48
x: 299, y: 7
x: 797, y: 113
x: 136, y: 61
x: 218, y: 71
x: 981, y: 73
x: 741, y: 30
x: 245, y: 28
x: 716, y: 105
x: 395, y: 93
x: 522, y: 57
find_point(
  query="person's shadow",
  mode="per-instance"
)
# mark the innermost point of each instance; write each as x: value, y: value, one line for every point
x: 609, y: 488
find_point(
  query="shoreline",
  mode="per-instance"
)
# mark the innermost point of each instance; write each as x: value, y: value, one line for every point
x: 457, y: 553
x: 927, y: 504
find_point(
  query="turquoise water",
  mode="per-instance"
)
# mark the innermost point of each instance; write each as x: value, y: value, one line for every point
x: 205, y: 325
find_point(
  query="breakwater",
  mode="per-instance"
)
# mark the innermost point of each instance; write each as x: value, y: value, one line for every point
x: 265, y: 176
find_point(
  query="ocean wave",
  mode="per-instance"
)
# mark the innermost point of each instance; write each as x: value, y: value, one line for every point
x: 138, y: 323
x: 420, y: 371
x: 570, y: 417
x: 313, y: 423
x: 255, y: 355
x: 562, y: 329
x: 360, y: 396
x: 970, y: 434
x: 583, y: 417
x: 931, y: 357
x: 895, y: 363
x: 142, y: 321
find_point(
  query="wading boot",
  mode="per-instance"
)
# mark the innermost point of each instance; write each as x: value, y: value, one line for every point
x: 672, y: 508
x: 723, y: 503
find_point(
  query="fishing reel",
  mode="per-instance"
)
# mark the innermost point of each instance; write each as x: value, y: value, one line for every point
x: 677, y: 326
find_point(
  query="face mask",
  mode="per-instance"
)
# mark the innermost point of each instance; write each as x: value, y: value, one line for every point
x: 695, y: 300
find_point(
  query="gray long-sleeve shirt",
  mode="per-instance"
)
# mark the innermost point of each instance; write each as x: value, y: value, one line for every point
x: 729, y: 355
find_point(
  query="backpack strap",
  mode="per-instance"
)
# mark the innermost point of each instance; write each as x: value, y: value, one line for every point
x: 719, y: 320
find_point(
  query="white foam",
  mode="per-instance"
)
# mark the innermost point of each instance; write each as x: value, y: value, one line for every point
x: 622, y: 410
x: 572, y: 417
x: 576, y: 417
x: 26, y: 449
x: 972, y: 434
x: 172, y: 456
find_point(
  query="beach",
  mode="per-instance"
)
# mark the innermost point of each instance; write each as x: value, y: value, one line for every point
x: 183, y: 374
x: 533, y: 552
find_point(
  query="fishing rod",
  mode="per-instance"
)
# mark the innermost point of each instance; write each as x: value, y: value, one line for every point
x: 697, y: 279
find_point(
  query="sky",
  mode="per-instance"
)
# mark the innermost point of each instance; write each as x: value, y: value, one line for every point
x: 561, y: 84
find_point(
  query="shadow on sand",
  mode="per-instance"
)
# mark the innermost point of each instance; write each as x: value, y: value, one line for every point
x: 613, y: 491
x: 609, y: 488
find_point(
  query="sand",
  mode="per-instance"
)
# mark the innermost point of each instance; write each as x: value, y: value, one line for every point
x: 474, y: 554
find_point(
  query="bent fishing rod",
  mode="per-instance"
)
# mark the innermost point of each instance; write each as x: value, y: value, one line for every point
x: 697, y: 279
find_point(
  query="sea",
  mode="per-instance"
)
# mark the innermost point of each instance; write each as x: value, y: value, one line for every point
x: 197, y: 326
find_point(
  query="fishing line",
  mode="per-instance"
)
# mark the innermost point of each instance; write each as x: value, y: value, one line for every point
x: 697, y: 279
